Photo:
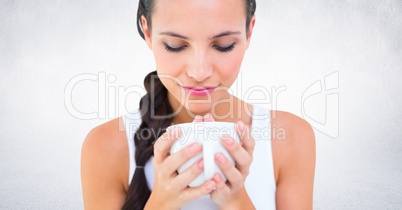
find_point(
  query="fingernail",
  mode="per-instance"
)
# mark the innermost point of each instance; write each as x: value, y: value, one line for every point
x: 227, y: 140
x: 217, y: 178
x: 220, y: 158
x: 207, y: 116
x: 198, y: 118
x: 201, y: 164
x: 210, y: 185
x: 196, y: 147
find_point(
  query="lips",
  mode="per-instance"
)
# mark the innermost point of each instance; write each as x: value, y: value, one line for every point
x: 199, y: 91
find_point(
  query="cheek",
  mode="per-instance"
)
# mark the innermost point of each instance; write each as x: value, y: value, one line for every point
x: 168, y: 63
x: 230, y: 67
x: 169, y: 69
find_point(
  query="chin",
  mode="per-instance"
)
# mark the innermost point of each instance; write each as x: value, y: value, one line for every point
x: 198, y: 108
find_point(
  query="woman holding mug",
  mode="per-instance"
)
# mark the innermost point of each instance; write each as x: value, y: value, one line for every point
x: 198, y: 46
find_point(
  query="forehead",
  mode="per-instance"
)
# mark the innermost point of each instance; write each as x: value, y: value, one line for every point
x: 198, y: 16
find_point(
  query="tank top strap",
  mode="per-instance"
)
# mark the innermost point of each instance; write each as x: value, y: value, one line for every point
x: 261, y: 121
x: 260, y: 183
x: 132, y: 121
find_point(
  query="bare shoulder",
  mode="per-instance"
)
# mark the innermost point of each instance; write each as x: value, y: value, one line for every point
x: 292, y: 137
x: 292, y: 128
x: 108, y: 139
x: 293, y: 150
x: 104, y: 166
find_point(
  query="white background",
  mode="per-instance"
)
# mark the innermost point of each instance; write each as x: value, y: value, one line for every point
x: 46, y: 43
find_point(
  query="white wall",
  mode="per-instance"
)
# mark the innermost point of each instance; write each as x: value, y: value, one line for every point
x: 356, y: 45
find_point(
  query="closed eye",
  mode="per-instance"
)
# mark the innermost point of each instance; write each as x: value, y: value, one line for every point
x: 174, y: 49
x: 227, y: 48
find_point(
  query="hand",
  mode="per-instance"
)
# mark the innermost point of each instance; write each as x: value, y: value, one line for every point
x: 233, y: 191
x: 171, y: 189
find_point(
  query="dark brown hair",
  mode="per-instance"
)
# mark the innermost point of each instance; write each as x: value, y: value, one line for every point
x: 154, y: 103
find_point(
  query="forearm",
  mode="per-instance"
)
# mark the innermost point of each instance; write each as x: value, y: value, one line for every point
x: 154, y: 203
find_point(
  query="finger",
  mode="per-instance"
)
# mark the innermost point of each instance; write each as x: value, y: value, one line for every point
x: 163, y: 144
x: 247, y: 141
x: 187, y: 176
x: 174, y: 161
x: 230, y: 171
x: 198, y: 118
x: 221, y: 186
x: 209, y: 118
x: 242, y: 158
x: 192, y: 193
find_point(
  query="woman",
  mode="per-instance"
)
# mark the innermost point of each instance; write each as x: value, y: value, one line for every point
x: 198, y: 47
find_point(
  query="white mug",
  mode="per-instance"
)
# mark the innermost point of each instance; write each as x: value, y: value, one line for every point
x: 209, y: 134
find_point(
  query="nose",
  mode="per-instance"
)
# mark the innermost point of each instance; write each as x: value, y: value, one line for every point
x: 199, y: 67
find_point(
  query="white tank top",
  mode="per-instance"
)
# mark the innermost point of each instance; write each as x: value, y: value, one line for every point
x: 260, y: 183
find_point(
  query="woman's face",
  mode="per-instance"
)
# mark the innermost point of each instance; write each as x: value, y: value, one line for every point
x: 198, y: 47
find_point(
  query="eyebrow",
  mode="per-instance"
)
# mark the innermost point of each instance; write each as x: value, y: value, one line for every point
x: 226, y: 33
